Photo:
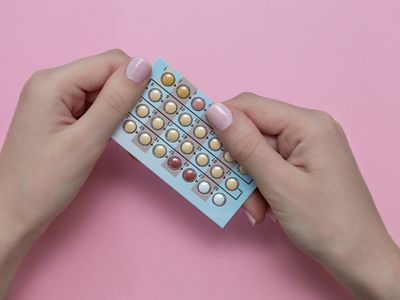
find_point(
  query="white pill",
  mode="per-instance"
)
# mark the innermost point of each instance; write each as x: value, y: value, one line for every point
x: 204, y: 187
x: 219, y: 199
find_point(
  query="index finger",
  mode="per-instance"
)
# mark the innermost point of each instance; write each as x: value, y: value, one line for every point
x: 270, y: 116
x: 90, y: 73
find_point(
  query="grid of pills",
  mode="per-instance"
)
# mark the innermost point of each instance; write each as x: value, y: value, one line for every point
x: 168, y: 131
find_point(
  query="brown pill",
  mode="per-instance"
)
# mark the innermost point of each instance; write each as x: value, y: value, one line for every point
x: 174, y: 162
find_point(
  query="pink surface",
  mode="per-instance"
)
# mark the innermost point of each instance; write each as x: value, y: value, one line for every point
x: 128, y: 235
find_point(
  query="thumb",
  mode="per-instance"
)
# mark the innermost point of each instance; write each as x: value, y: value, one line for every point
x: 117, y: 97
x: 245, y: 142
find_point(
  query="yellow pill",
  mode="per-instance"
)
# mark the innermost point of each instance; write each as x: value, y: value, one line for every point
x: 170, y: 107
x: 157, y: 123
x: 144, y: 138
x: 231, y: 184
x: 217, y: 172
x: 159, y: 151
x: 172, y: 135
x: 183, y: 91
x: 187, y: 147
x: 168, y: 79
x: 215, y: 144
x: 155, y: 95
x: 185, y: 119
x: 200, y: 132
x: 142, y: 110
x: 242, y: 170
x: 228, y: 157
x: 202, y: 159
x: 129, y: 126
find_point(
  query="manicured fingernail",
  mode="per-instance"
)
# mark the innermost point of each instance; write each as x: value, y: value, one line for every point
x: 251, y: 218
x: 220, y: 116
x: 272, y: 215
x: 138, y: 69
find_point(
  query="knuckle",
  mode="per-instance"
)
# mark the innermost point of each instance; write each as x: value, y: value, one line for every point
x: 37, y: 83
x: 242, y: 98
x: 39, y: 77
x: 117, y: 52
x: 115, y: 100
x: 246, y: 146
x: 245, y: 95
x: 325, y: 123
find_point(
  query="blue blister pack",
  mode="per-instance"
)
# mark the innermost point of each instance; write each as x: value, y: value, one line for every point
x: 167, y: 130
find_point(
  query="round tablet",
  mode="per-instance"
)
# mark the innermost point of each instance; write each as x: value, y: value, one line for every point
x: 129, y: 126
x: 170, y: 107
x: 183, y: 91
x: 159, y: 151
x: 228, y: 157
x: 142, y: 110
x: 157, y: 123
x: 167, y: 79
x: 185, y: 119
x: 189, y: 175
x: 187, y: 147
x: 204, y: 187
x: 198, y: 103
x: 215, y: 144
x: 231, y: 184
x: 219, y: 199
x: 144, y: 138
x: 242, y: 170
x: 200, y: 132
x: 172, y: 135
x: 217, y: 172
x: 174, y: 162
x: 155, y: 95
x: 202, y: 159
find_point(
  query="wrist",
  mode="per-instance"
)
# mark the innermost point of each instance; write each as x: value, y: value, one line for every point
x: 369, y: 270
x: 17, y: 235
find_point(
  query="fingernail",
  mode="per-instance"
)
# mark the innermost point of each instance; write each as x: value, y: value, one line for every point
x: 220, y: 116
x: 138, y: 69
x: 251, y: 218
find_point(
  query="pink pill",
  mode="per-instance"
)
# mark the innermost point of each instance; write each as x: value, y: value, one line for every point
x: 198, y: 104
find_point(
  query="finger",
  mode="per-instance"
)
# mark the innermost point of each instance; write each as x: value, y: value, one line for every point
x: 271, y: 140
x: 272, y: 117
x: 246, y: 144
x: 120, y: 92
x: 255, y: 208
x: 90, y: 73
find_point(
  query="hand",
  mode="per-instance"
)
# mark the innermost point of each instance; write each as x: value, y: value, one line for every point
x: 64, y: 118
x: 304, y: 167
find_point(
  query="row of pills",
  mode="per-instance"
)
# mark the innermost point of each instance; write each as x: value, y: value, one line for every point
x: 189, y: 175
x: 172, y: 135
x: 185, y: 120
x: 170, y: 107
x: 156, y: 95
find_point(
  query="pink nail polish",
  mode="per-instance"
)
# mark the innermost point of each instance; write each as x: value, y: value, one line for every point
x: 220, y: 116
x: 138, y: 69
x: 251, y: 218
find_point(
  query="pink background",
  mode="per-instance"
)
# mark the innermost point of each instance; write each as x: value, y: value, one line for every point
x: 128, y: 235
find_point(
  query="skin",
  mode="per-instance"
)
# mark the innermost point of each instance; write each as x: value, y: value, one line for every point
x: 308, y: 175
x: 305, y: 170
